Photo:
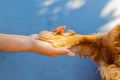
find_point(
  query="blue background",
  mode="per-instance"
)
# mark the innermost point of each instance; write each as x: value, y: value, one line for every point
x: 21, y: 17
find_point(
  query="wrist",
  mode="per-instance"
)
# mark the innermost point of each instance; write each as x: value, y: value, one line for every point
x: 29, y: 47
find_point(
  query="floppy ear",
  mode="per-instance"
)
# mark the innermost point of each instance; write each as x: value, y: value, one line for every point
x: 114, y: 43
x: 115, y: 39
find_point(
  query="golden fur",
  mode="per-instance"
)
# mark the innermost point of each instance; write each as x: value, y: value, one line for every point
x: 104, y: 49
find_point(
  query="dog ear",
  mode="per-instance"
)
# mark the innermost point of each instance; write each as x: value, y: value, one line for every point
x: 114, y: 39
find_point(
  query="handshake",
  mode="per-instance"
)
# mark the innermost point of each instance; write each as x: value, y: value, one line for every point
x: 69, y: 40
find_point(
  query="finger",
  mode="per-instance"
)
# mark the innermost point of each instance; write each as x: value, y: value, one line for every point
x: 61, y: 51
x: 69, y: 53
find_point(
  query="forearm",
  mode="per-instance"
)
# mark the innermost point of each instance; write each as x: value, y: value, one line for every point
x: 14, y: 43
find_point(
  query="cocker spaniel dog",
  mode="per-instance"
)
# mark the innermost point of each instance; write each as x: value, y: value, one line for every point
x: 103, y: 49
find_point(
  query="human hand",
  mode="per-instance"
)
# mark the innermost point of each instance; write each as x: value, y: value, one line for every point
x: 44, y: 48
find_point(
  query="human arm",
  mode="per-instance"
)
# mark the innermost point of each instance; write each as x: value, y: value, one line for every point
x: 20, y: 43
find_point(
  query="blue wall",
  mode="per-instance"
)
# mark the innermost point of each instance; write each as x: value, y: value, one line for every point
x: 22, y: 17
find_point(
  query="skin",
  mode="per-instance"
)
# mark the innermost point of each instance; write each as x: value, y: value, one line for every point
x: 20, y: 43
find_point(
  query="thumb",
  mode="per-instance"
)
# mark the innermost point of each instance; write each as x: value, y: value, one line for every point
x: 62, y: 51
